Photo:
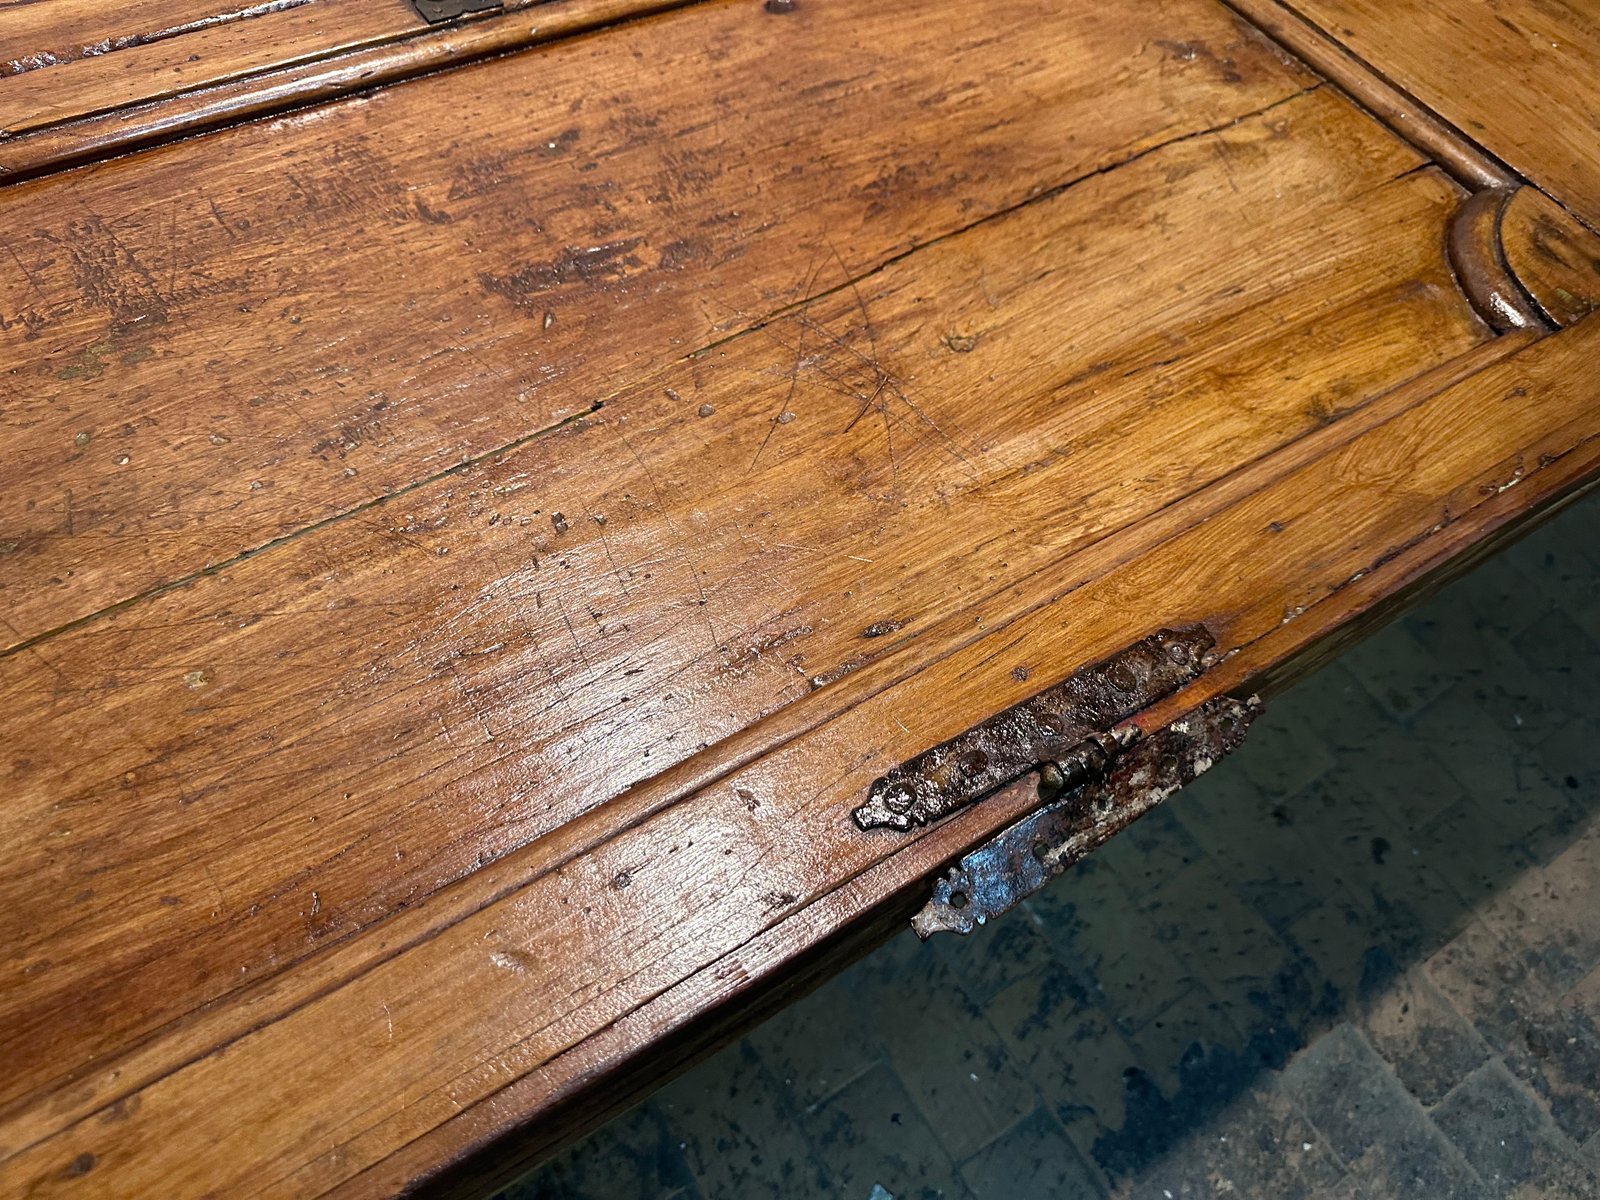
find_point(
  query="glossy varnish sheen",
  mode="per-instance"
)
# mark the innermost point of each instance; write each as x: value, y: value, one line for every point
x: 1517, y: 76
x: 457, y: 587
x: 440, y: 679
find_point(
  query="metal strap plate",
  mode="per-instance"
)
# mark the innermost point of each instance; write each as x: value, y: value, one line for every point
x: 1022, y: 859
x: 1045, y: 728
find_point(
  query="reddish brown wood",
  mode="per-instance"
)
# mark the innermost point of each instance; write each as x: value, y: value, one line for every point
x: 1555, y: 258
x: 617, y: 595
x: 1478, y: 257
x: 219, y: 73
x: 537, y: 976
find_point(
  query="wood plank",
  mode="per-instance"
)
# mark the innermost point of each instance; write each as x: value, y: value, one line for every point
x: 1532, y: 64
x: 65, y: 59
x: 492, y: 1143
x: 320, y: 736
x: 44, y: 36
x: 398, y: 1061
x: 1554, y: 257
x: 220, y: 72
x: 215, y: 344
x: 1467, y: 163
x: 483, y: 1146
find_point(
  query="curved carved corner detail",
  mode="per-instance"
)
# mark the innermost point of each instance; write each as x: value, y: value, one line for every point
x: 1554, y: 256
x: 1478, y: 259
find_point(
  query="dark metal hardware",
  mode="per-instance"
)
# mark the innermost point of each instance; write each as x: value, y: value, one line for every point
x: 1116, y: 784
x: 1049, y: 728
x: 436, y: 11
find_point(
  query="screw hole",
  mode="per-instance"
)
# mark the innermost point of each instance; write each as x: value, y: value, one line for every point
x: 958, y: 899
x: 1041, y: 851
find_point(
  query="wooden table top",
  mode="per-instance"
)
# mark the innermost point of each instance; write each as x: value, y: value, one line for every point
x: 484, y: 500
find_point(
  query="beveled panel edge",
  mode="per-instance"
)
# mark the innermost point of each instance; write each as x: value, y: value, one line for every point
x: 274, y: 89
x: 1468, y: 163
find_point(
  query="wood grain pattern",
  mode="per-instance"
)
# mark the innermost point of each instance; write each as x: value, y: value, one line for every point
x: 531, y: 1114
x: 1555, y: 258
x: 66, y: 59
x: 45, y: 36
x: 1517, y: 76
x: 224, y: 72
x: 543, y: 980
x: 218, y: 343
x: 469, y: 666
x: 458, y: 586
x: 1468, y: 163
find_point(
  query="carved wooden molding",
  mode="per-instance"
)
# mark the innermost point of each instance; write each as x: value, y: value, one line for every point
x: 1480, y: 265
x: 1552, y: 255
x: 1523, y: 261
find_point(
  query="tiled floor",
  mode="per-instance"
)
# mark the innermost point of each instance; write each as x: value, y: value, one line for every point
x: 1360, y: 960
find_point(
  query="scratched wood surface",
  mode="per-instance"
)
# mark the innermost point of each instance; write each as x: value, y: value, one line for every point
x: 220, y: 342
x: 729, y: 862
x: 1517, y: 76
x: 61, y: 59
x: 457, y: 589
x: 484, y: 658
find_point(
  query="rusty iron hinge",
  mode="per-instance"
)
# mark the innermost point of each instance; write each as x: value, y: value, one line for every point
x: 1120, y: 778
x: 1063, y: 730
x: 435, y: 11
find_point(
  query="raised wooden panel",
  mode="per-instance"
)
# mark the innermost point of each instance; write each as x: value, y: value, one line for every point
x: 213, y: 345
x: 342, y: 1080
x: 444, y: 677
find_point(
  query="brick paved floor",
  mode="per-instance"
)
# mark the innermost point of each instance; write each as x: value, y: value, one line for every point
x: 1360, y: 960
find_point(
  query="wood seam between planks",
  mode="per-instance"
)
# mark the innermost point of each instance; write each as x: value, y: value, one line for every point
x: 1475, y: 251
x: 1226, y: 677
x: 276, y: 90
x: 28, y: 65
x: 630, y: 809
x: 1469, y: 163
x: 1050, y: 193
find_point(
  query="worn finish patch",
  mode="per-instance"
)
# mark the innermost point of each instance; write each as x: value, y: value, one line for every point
x: 1046, y: 728
x: 1022, y: 859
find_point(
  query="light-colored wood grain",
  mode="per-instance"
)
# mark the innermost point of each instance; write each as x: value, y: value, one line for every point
x: 445, y: 677
x: 214, y: 344
x: 1518, y: 76
x: 1468, y: 163
x: 703, y: 877
x: 61, y: 60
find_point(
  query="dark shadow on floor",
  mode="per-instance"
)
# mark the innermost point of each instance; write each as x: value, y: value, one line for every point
x: 1312, y: 973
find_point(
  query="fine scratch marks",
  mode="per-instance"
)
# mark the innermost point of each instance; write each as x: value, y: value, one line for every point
x: 794, y: 375
x: 615, y: 258
x: 677, y: 537
x: 832, y: 361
